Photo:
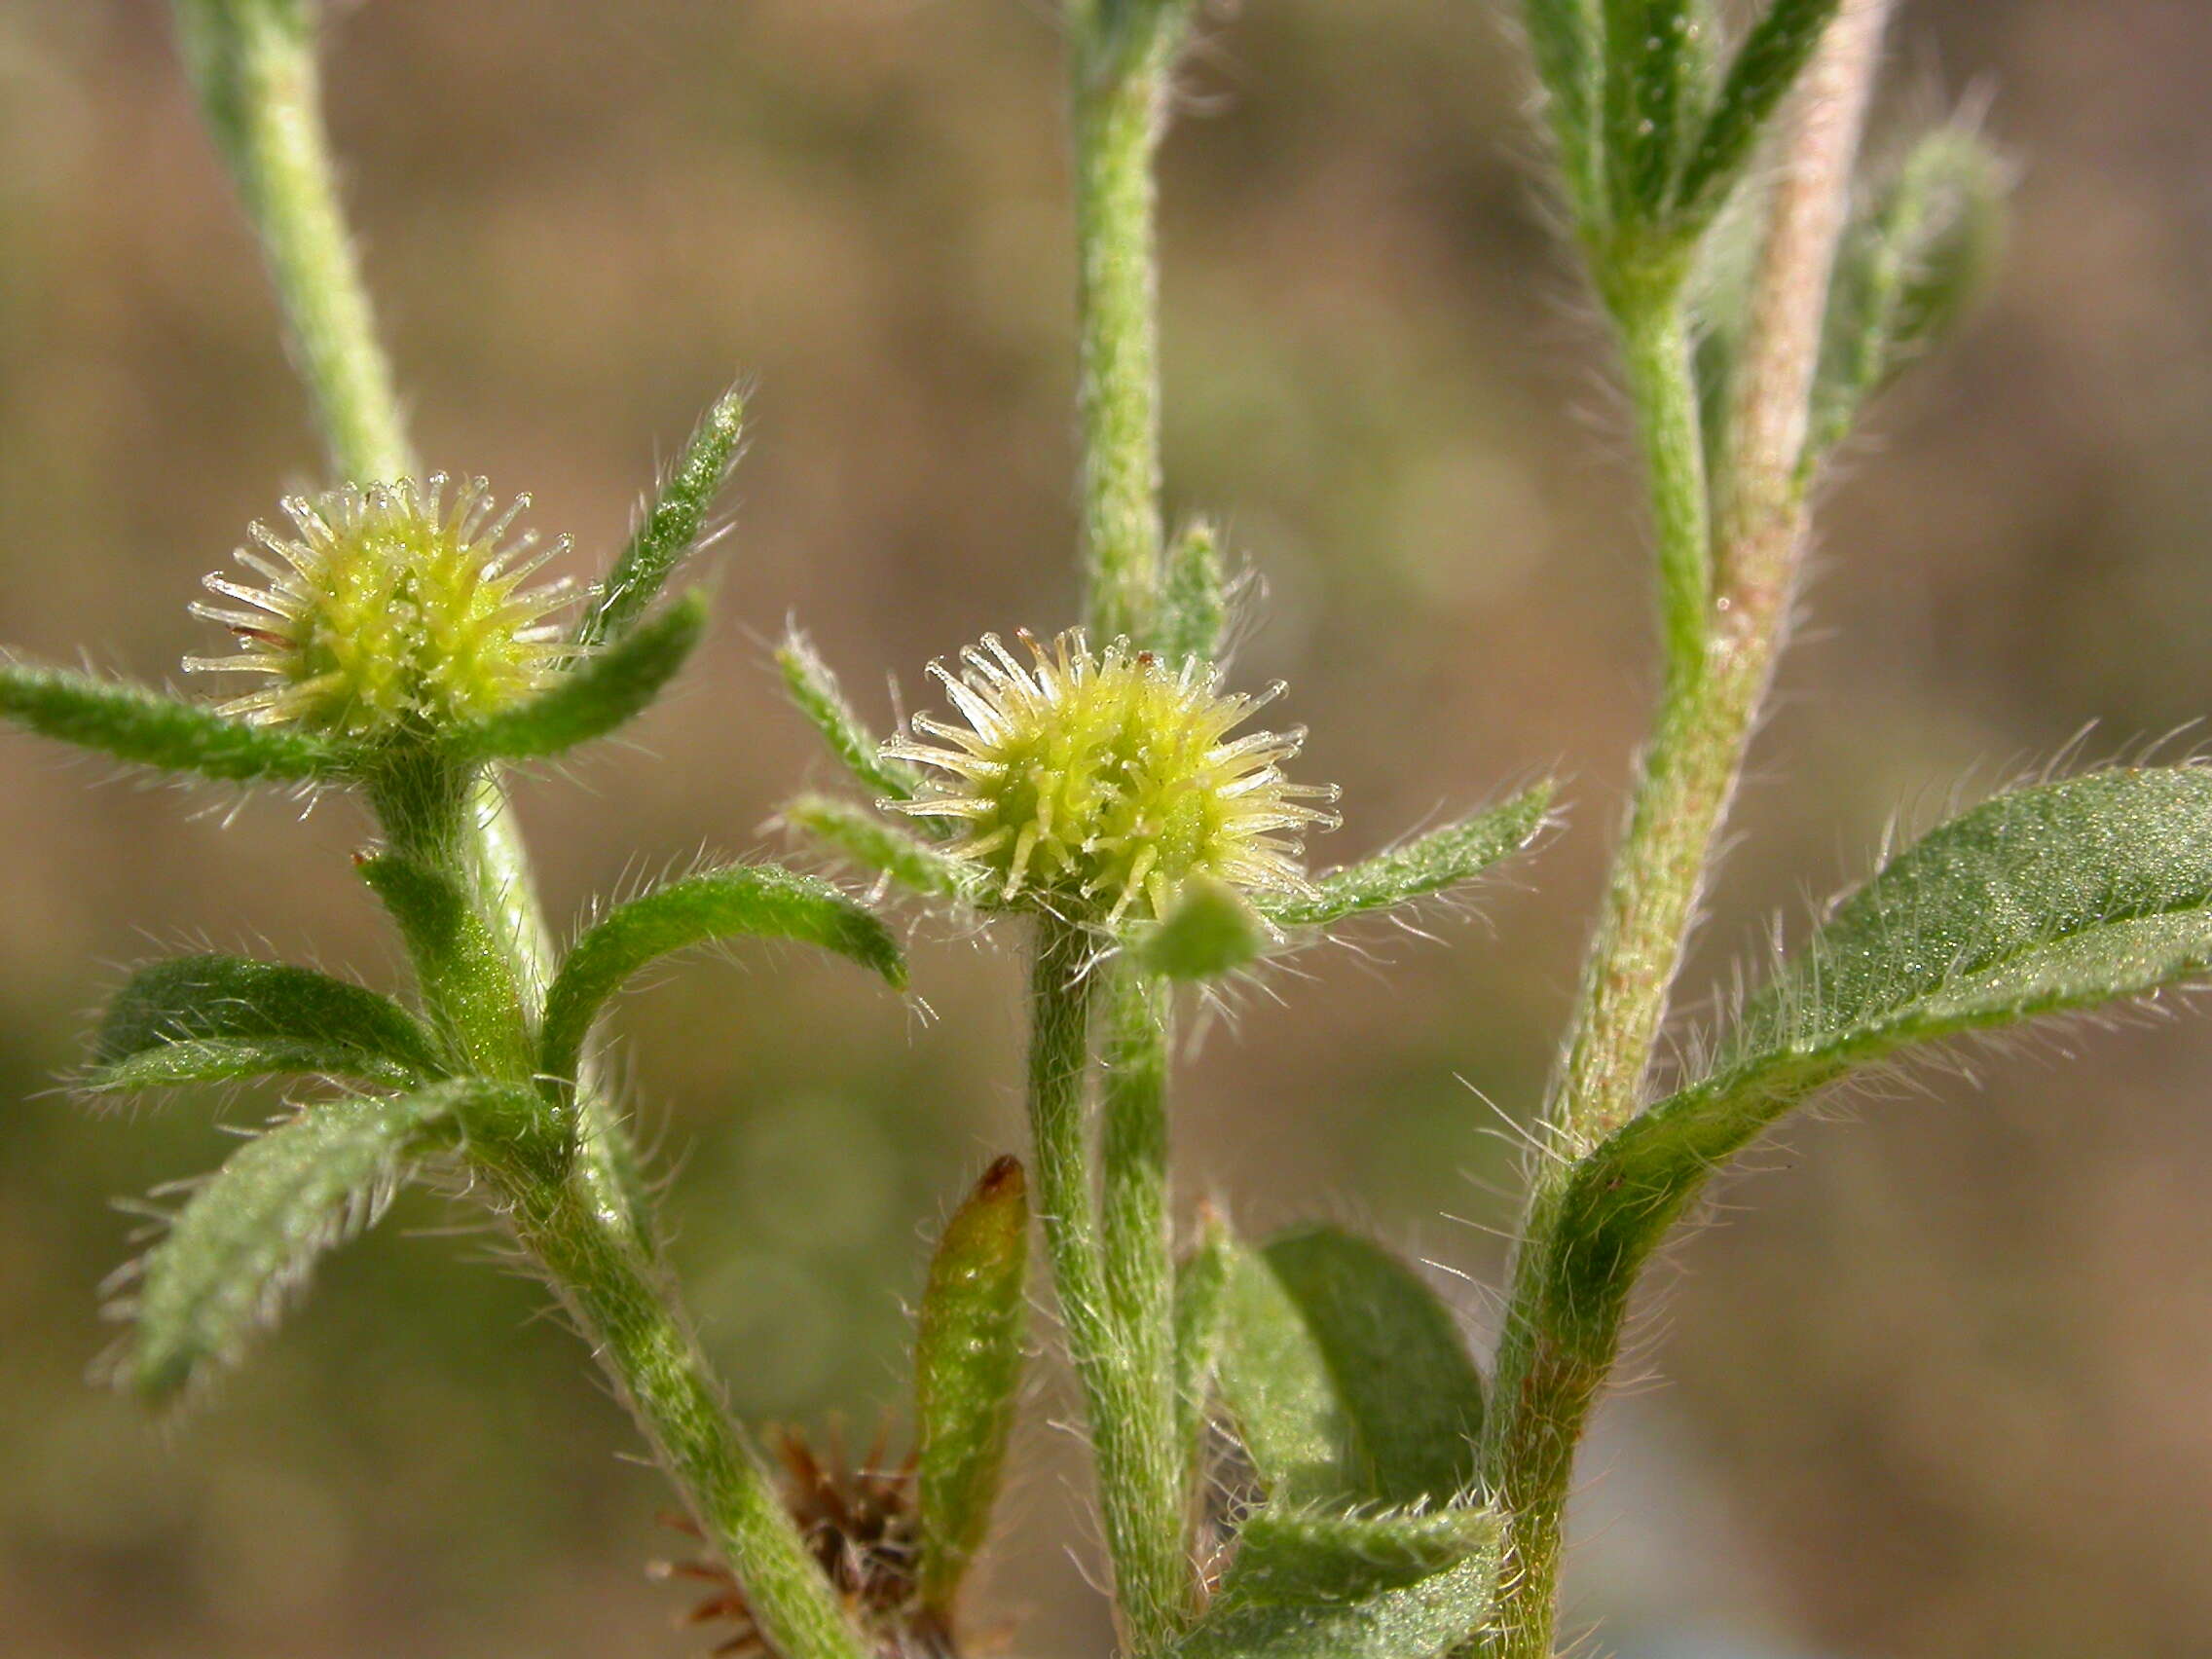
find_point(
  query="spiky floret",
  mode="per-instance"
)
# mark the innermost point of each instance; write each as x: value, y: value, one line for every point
x: 1097, y: 783
x: 389, y: 609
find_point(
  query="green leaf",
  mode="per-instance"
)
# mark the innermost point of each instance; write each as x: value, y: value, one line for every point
x: 671, y: 528
x: 815, y: 689
x: 2053, y: 900
x: 248, y: 1235
x: 759, y: 901
x: 1210, y: 932
x: 1308, y: 1557
x: 1651, y: 64
x: 881, y: 848
x: 1407, y: 1387
x: 1566, y: 42
x: 210, y: 1018
x: 968, y: 1359
x: 1910, y: 265
x: 1766, y: 67
x: 1348, y: 1379
x: 1444, y: 857
x: 1194, y: 595
x: 594, y: 694
x: 1202, y: 1323
x: 1426, y: 1618
x: 151, y: 729
x: 466, y: 980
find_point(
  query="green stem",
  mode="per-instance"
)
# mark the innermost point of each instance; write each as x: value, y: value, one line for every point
x: 1120, y: 1398
x: 254, y: 62
x: 1562, y: 1336
x: 1118, y: 117
x: 1140, y: 1287
x: 624, y: 1311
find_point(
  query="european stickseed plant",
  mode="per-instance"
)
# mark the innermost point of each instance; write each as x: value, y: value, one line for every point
x: 1295, y: 1454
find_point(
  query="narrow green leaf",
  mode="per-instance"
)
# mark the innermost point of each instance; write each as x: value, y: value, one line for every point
x: 594, y: 695
x: 1194, y: 595
x: 1652, y: 54
x: 1275, y: 1382
x: 1566, y: 39
x: 1202, y: 1323
x: 1211, y: 932
x: 1766, y: 67
x: 1429, y: 1619
x: 968, y: 1359
x: 1408, y: 1388
x: 151, y: 729
x: 1444, y: 857
x: 466, y: 980
x: 759, y: 901
x: 819, y: 697
x: 671, y: 528
x: 1910, y: 265
x: 208, y: 1018
x: 1308, y: 1557
x: 245, y: 1241
x: 2052, y: 900
x: 881, y: 848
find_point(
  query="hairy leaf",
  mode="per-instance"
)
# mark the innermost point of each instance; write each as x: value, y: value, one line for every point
x: 1442, y: 859
x: 759, y: 901
x: 968, y: 1357
x: 1292, y: 1556
x: 1766, y: 67
x: 670, y: 528
x: 880, y: 847
x: 1194, y: 598
x: 248, y: 1235
x: 1202, y: 1297
x: 1910, y: 265
x: 1210, y: 932
x: 209, y: 1018
x: 819, y: 697
x: 1427, y: 1619
x: 1566, y: 41
x: 1651, y: 62
x: 2052, y: 900
x: 1274, y: 1380
x: 594, y: 694
x: 151, y: 729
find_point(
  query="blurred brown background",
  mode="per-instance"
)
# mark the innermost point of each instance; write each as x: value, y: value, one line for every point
x: 1937, y: 1388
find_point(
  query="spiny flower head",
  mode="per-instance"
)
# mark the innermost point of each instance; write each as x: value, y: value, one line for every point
x: 1097, y: 783
x: 389, y: 609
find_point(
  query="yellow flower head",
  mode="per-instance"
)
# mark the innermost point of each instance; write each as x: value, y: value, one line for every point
x: 390, y: 609
x: 1097, y: 784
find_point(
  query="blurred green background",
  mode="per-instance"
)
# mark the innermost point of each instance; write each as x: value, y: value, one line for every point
x: 1936, y: 1388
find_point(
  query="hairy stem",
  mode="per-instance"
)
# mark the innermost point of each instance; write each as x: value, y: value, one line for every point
x: 626, y: 1313
x: 1117, y: 121
x: 1559, y: 1348
x: 1121, y: 1398
x: 254, y: 64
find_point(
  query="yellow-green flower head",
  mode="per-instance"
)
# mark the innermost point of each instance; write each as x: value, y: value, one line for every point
x: 389, y: 609
x: 1097, y: 784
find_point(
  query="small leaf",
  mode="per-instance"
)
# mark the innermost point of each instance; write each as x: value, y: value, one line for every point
x: 1651, y: 64
x: 1210, y: 932
x: 151, y: 729
x: 1194, y: 598
x: 815, y: 689
x: 1202, y: 1323
x: 671, y: 528
x: 594, y: 694
x: 1408, y: 1388
x: 1444, y: 857
x: 466, y: 980
x: 1766, y: 67
x: 1908, y: 267
x: 968, y: 1359
x: 1427, y: 1619
x: 1276, y: 1382
x: 881, y: 848
x: 759, y: 901
x: 248, y: 1237
x: 209, y: 1018
x: 1306, y: 1558
x: 1566, y: 41
x: 2053, y: 900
